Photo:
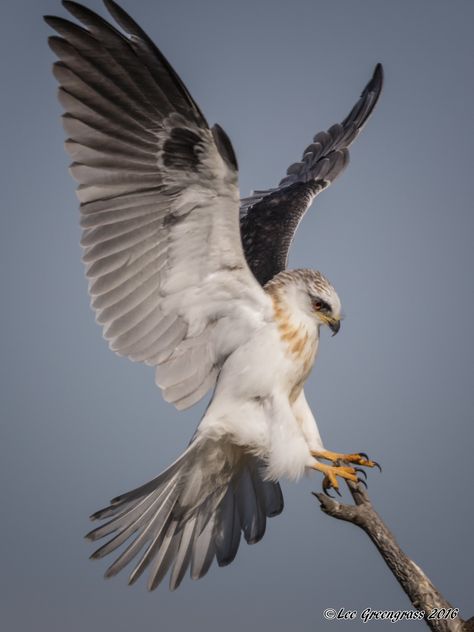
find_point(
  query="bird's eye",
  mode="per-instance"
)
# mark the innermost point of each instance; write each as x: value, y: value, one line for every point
x: 320, y: 306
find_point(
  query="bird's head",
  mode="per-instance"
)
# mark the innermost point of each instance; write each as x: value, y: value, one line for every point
x: 322, y: 301
x: 311, y: 293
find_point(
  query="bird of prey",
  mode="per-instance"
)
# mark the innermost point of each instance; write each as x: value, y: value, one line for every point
x: 192, y: 281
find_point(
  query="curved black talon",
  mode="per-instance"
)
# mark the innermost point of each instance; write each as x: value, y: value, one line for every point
x: 326, y: 487
x: 377, y: 465
x: 362, y: 482
x: 358, y: 469
x: 325, y: 490
x: 364, y: 455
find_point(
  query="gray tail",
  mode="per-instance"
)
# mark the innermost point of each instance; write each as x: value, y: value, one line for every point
x: 190, y: 514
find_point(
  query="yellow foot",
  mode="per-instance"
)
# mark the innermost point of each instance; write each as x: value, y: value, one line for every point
x: 331, y: 472
x: 359, y: 459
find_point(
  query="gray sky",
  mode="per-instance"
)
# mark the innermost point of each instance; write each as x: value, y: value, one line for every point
x: 394, y: 235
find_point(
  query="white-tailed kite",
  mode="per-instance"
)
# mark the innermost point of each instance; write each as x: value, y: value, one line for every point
x: 179, y: 284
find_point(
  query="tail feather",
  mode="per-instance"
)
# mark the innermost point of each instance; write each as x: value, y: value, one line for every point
x: 164, y: 557
x: 252, y: 518
x: 204, y: 550
x: 140, y: 492
x: 130, y: 522
x: 151, y: 551
x: 183, y: 555
x: 228, y: 536
x: 192, y: 512
x: 152, y: 531
x: 270, y: 494
x: 122, y: 518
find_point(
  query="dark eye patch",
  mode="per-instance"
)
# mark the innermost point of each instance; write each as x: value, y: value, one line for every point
x: 320, y: 305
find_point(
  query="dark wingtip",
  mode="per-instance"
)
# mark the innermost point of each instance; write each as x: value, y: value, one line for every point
x: 118, y: 499
x: 115, y: 9
x: 79, y: 11
x: 256, y: 538
x: 134, y: 577
x: 98, y: 515
x: 70, y: 4
x: 112, y: 6
x: 125, y: 21
x: 92, y: 535
x: 74, y: 8
x: 223, y: 561
x: 275, y: 512
x: 376, y: 82
x: 377, y: 77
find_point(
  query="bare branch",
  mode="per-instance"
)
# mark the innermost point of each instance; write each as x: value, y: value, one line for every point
x: 419, y: 589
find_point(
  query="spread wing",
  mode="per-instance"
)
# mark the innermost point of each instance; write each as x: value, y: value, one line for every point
x: 159, y: 206
x: 269, y: 219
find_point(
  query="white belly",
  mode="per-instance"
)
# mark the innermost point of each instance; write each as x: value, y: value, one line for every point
x: 253, y: 397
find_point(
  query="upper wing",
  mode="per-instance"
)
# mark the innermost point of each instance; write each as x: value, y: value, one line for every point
x: 159, y: 206
x: 269, y: 219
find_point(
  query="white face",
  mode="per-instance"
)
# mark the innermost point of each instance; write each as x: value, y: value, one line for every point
x: 309, y: 294
x: 324, y: 303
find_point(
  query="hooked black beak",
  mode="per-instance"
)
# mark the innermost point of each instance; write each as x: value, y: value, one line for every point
x: 334, y: 326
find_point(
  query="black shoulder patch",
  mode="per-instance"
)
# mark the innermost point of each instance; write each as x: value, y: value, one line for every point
x: 224, y: 146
